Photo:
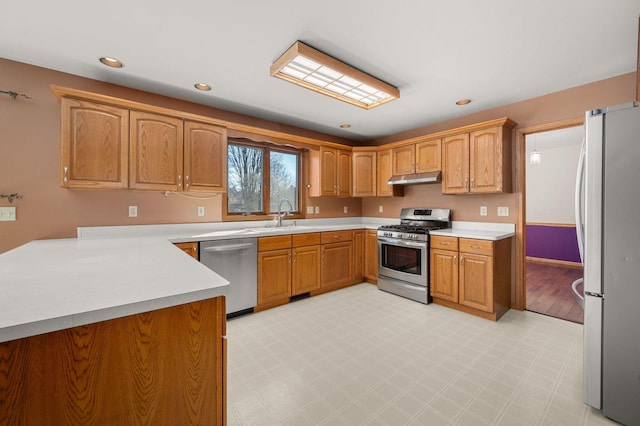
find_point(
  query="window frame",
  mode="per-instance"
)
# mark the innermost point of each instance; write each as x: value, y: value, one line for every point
x: 267, y: 148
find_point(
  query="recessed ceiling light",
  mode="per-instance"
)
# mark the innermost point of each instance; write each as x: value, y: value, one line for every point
x: 463, y: 102
x: 345, y: 126
x: 111, y: 62
x: 309, y: 68
x: 202, y: 86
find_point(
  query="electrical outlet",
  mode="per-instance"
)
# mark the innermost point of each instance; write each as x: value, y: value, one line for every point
x: 380, y: 209
x: 133, y: 211
x: 7, y: 214
x: 483, y: 210
x: 503, y: 211
x: 309, y: 209
x: 346, y: 209
x: 200, y: 211
x: 317, y: 209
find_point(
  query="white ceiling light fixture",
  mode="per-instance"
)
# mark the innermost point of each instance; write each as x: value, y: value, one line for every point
x: 202, y: 86
x: 307, y: 67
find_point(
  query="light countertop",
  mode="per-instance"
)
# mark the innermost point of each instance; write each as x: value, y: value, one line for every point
x: 115, y: 271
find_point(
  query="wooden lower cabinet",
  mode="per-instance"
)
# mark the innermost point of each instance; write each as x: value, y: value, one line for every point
x: 191, y: 248
x: 471, y: 275
x: 358, y: 255
x: 371, y: 255
x: 305, y: 269
x: 166, y: 366
x: 337, y: 264
x: 274, y: 276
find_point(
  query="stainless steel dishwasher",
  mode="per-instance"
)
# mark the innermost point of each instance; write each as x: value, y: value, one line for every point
x: 236, y: 261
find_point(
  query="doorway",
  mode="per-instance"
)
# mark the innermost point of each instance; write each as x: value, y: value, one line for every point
x: 552, y: 260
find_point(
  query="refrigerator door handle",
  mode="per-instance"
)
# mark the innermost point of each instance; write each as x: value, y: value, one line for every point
x: 578, y: 202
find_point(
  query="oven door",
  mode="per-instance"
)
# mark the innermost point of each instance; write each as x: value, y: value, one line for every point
x: 403, y: 260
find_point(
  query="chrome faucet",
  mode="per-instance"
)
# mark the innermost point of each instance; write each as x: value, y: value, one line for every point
x: 283, y: 213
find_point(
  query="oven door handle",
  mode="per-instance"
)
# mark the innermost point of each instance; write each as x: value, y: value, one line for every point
x: 402, y: 243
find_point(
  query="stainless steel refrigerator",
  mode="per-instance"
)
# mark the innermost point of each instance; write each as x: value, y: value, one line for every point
x: 609, y: 238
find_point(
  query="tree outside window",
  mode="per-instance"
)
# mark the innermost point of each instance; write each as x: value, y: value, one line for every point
x: 260, y: 175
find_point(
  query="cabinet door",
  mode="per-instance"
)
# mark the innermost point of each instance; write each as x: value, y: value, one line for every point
x: 274, y: 276
x: 404, y: 159
x: 305, y: 269
x: 94, y: 145
x: 428, y: 156
x: 328, y: 167
x: 364, y: 174
x: 337, y: 264
x: 476, y: 281
x: 455, y: 164
x: 485, y: 162
x: 385, y: 165
x: 190, y: 248
x: 344, y: 173
x: 371, y: 255
x: 444, y: 275
x: 358, y: 254
x: 205, y: 157
x: 155, y: 154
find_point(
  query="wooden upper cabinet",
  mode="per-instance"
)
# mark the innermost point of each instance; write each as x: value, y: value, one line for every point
x: 155, y: 152
x: 490, y: 160
x: 385, y: 160
x: 455, y: 164
x: 330, y: 172
x: 364, y: 174
x: 205, y: 157
x: 94, y: 145
x: 343, y: 173
x: 477, y: 162
x: 420, y: 157
x: 428, y: 156
x: 404, y: 160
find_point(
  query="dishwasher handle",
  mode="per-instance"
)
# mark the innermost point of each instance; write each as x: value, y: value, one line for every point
x: 230, y: 247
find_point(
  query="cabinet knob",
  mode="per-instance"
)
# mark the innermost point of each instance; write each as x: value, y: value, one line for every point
x: 186, y: 181
x: 179, y: 181
x: 66, y: 178
x: 466, y: 184
x: 455, y: 260
x: 475, y: 247
x: 444, y: 243
x: 473, y: 183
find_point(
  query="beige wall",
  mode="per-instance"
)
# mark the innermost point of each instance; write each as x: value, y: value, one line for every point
x: 30, y: 159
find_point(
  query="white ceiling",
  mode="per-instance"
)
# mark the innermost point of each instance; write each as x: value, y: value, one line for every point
x: 436, y: 52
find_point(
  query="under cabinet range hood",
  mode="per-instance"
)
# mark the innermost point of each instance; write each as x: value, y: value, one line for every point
x: 429, y: 177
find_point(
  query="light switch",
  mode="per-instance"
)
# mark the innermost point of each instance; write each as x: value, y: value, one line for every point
x: 317, y: 209
x: 309, y: 209
x: 7, y: 214
x: 200, y: 211
x: 483, y: 210
x: 380, y: 209
x: 133, y: 211
x: 346, y: 209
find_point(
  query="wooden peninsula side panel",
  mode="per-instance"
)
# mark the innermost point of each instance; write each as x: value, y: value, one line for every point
x: 160, y: 367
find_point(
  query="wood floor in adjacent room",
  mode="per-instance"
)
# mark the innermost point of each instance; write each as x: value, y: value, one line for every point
x: 549, y: 291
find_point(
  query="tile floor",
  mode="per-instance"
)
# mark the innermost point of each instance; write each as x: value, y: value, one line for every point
x: 359, y: 356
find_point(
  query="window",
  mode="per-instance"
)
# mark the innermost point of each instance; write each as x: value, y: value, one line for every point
x: 259, y: 177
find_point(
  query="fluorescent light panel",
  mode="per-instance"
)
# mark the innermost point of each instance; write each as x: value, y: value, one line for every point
x: 317, y: 71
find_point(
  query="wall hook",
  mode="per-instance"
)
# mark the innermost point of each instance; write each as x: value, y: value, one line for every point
x: 13, y: 94
x: 11, y: 197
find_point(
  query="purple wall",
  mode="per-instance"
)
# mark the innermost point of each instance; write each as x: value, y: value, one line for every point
x: 553, y: 242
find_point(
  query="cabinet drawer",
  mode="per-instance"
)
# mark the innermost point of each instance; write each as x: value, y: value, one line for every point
x: 484, y: 247
x: 336, y: 236
x: 444, y: 243
x: 274, y: 243
x: 310, y: 239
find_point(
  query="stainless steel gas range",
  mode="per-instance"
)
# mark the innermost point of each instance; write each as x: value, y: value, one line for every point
x: 403, y: 252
